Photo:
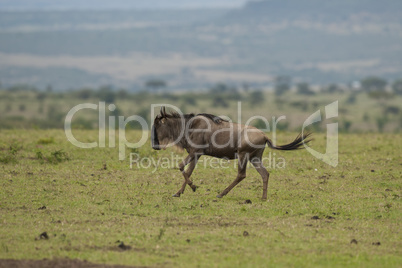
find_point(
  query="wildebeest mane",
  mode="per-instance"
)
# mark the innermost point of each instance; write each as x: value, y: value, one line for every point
x: 214, y: 118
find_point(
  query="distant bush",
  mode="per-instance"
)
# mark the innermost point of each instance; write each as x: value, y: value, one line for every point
x: 260, y: 124
x: 84, y: 93
x: 381, y: 122
x: 122, y: 94
x: 22, y: 108
x: 9, y: 155
x: 190, y: 100
x: 397, y: 86
x: 392, y: 110
x: 106, y: 94
x: 40, y: 96
x: 282, y: 84
x: 346, y: 125
x: 373, y: 84
x: 256, y: 97
x: 55, y: 118
x: 54, y: 157
x: 303, y: 105
x: 220, y: 101
x: 332, y: 88
x: 155, y: 84
x: 366, y: 117
x: 352, y: 98
x: 304, y: 89
x: 282, y: 125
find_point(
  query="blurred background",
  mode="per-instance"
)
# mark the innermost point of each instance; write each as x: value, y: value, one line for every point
x: 289, y: 57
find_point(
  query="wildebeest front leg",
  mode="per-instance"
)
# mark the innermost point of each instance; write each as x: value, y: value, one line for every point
x: 187, y: 173
x: 241, y: 174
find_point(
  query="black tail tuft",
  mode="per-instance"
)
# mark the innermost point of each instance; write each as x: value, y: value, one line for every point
x: 298, y: 143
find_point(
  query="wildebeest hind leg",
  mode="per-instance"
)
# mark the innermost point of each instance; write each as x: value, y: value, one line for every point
x: 264, y: 175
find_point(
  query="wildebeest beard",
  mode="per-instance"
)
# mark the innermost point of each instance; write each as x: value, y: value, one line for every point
x: 154, y: 139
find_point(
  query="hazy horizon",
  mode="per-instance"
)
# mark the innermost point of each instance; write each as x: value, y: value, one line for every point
x: 23, y: 5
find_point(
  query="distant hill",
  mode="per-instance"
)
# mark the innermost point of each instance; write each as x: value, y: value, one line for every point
x: 318, y: 10
x: 312, y: 41
x: 116, y: 4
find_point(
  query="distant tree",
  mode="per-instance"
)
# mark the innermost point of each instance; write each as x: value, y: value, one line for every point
x: 332, y: 88
x: 282, y: 84
x: 155, y: 84
x: 107, y: 94
x: 397, y: 86
x: 220, y: 88
x: 84, y: 93
x: 346, y: 125
x: 257, y: 97
x: 392, y: 110
x: 22, y: 107
x: 352, y: 98
x: 304, y: 88
x: 260, y: 124
x: 115, y: 113
x: 220, y: 101
x: 246, y: 87
x: 190, y: 99
x: 122, y: 94
x: 373, y: 84
x: 381, y: 122
x: 40, y: 96
x: 366, y: 117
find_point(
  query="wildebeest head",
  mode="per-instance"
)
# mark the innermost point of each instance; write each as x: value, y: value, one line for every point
x: 166, y: 129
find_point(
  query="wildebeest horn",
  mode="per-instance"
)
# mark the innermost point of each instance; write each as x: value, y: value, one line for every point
x: 163, y: 111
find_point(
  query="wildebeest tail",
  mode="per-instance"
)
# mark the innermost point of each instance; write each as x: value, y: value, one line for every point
x: 298, y: 143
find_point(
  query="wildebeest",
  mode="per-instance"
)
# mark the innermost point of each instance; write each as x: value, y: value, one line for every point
x: 206, y: 134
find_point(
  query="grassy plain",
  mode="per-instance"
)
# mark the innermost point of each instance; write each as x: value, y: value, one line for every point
x: 358, y: 112
x: 88, y: 202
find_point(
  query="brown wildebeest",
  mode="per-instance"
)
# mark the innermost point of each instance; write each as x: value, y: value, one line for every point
x: 206, y: 134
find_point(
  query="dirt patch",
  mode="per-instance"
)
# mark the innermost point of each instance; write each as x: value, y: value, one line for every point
x: 56, y: 263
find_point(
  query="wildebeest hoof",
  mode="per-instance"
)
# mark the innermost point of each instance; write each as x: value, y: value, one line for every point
x: 219, y: 196
x: 194, y: 188
x: 176, y: 195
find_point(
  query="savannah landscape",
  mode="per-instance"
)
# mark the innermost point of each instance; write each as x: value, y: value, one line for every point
x: 111, y: 205
x: 59, y: 201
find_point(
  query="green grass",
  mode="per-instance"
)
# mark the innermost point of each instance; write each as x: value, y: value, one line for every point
x: 93, y: 200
